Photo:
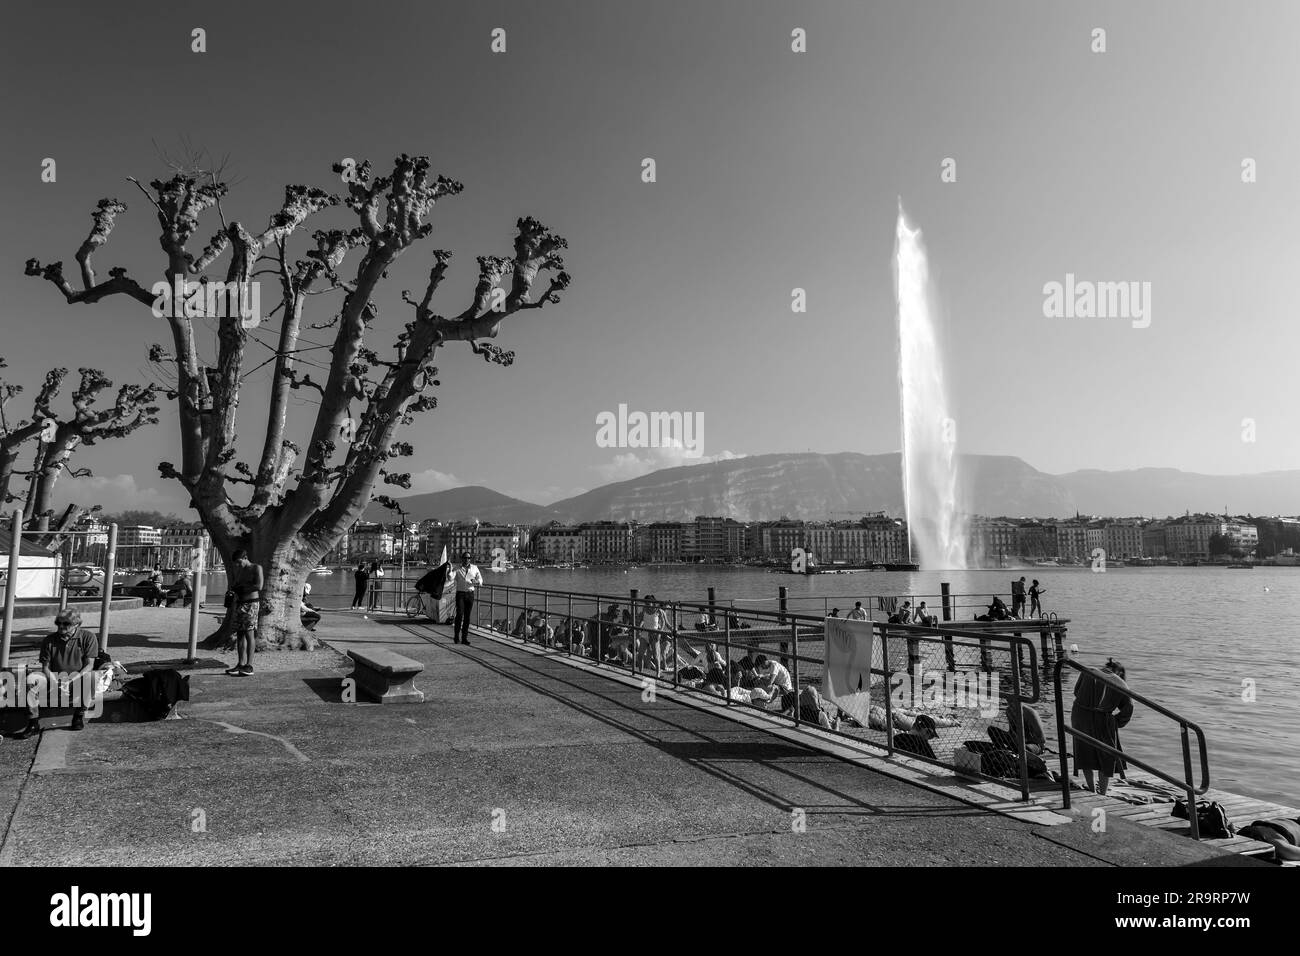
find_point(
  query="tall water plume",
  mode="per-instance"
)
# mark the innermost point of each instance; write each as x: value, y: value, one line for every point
x: 939, y: 531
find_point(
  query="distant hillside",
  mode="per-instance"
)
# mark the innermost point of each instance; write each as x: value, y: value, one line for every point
x: 810, y: 486
x: 817, y: 487
x: 466, y: 504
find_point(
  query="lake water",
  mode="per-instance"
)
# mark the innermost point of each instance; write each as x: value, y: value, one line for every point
x: 1190, y: 638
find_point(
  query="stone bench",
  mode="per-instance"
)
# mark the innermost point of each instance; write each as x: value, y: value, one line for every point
x: 386, y: 676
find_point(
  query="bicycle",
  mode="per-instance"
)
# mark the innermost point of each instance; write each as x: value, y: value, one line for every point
x: 415, y: 606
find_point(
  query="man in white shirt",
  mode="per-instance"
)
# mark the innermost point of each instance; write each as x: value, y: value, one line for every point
x: 468, y: 579
x: 857, y: 614
x: 772, y: 674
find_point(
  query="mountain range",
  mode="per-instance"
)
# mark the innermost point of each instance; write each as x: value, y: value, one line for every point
x: 813, y: 486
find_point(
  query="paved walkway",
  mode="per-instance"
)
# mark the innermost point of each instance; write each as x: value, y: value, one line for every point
x: 515, y: 757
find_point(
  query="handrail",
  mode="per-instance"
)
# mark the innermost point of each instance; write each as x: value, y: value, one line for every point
x: 1184, y: 725
x: 783, y: 617
x: 641, y: 648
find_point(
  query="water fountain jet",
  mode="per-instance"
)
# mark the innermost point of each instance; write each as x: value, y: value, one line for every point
x: 939, y: 531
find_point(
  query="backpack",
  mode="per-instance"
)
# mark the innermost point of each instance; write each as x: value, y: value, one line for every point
x: 1211, y: 819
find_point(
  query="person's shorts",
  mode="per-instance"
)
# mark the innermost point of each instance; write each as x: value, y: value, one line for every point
x: 246, y: 615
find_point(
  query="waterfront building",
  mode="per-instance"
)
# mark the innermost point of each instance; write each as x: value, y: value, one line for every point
x: 560, y: 544
x: 1188, y: 538
x: 1034, y: 539
x: 89, y: 548
x: 1076, y: 538
x: 776, y: 539
x: 1243, y: 535
x: 607, y: 541
x: 1154, y: 544
x: 492, y: 539
x: 993, y: 538
x: 138, y: 545
x: 658, y: 541
x: 1123, y: 538
x: 177, y: 544
x: 462, y: 537
x: 371, y: 542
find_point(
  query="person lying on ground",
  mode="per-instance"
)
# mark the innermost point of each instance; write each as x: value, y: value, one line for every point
x: 917, y: 740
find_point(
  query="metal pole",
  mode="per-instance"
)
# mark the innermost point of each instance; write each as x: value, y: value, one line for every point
x: 192, y: 657
x: 11, y: 584
x: 1018, y: 720
x: 63, y: 585
x: 110, y: 564
x: 1191, y: 793
x: 726, y: 645
x: 878, y: 631
x: 1060, y: 736
x: 782, y: 595
x: 633, y: 632
x: 794, y: 639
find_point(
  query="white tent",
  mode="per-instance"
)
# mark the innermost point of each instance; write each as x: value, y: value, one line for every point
x: 38, y: 569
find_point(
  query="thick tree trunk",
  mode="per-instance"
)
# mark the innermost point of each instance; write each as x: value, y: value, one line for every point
x: 285, y: 567
x: 283, y: 628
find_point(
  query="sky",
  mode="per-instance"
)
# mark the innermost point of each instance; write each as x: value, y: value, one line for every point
x: 775, y: 170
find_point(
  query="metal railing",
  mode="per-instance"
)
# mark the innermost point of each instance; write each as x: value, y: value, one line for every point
x: 1185, y: 784
x: 721, y: 650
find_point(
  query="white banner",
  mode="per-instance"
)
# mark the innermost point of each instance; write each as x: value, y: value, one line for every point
x: 847, y: 678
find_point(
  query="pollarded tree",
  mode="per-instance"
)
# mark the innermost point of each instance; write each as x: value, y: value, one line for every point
x: 57, y: 437
x: 301, y: 498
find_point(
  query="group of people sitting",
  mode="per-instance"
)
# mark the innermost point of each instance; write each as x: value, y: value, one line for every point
x: 155, y: 595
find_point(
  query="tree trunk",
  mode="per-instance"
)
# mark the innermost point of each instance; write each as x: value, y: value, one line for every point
x: 283, y: 628
x: 285, y: 567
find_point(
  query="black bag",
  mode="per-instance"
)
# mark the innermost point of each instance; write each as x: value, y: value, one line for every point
x: 1211, y: 819
x: 1006, y: 763
x: 230, y: 599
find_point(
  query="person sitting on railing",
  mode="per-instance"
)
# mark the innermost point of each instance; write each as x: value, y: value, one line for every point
x: 924, y: 617
x: 1100, y: 709
x: 903, y: 615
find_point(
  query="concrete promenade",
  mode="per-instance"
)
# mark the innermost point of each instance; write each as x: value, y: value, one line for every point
x: 515, y: 758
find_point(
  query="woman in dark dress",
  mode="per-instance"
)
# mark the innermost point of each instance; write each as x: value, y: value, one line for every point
x: 1100, y: 708
x: 361, y: 576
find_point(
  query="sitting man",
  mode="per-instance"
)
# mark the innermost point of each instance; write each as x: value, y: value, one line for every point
x: 180, y: 590
x: 150, y: 589
x: 307, y: 613
x: 924, y: 617
x: 772, y: 674
x: 66, y: 660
